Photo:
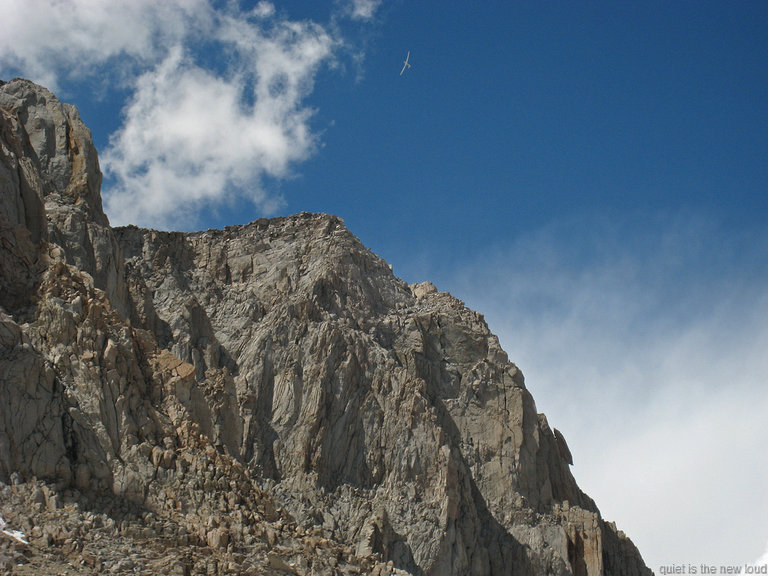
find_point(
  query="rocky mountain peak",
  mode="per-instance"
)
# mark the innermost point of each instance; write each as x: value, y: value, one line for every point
x: 263, y: 399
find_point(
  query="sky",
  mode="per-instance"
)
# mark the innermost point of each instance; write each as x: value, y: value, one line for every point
x: 591, y: 176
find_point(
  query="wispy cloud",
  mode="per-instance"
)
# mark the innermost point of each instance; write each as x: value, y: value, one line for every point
x: 363, y: 9
x: 49, y: 41
x: 641, y: 346
x: 193, y: 138
x: 198, y: 132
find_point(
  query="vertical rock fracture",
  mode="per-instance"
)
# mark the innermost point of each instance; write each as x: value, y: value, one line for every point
x: 262, y: 399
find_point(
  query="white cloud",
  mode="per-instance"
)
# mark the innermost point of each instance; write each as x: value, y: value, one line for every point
x: 47, y: 40
x: 193, y: 139
x: 363, y: 9
x: 217, y: 95
x: 647, y: 349
x: 264, y: 10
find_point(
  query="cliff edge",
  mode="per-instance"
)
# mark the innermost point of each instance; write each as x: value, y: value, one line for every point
x: 263, y: 399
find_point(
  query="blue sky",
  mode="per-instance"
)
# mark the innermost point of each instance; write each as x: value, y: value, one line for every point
x: 591, y: 176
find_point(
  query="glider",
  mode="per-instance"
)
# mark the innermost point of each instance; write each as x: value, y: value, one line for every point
x: 405, y: 64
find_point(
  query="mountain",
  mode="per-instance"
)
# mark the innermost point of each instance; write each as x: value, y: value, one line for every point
x: 263, y: 399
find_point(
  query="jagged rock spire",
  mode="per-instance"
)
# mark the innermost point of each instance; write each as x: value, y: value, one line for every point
x: 270, y: 392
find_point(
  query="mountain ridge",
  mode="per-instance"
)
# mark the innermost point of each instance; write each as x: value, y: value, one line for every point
x: 270, y: 394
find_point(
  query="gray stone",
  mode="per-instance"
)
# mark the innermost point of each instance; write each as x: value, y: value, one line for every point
x: 267, y: 392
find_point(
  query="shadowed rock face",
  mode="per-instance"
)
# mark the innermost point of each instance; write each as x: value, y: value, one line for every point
x: 273, y: 373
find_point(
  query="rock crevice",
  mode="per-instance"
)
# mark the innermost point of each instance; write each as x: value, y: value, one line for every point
x: 270, y: 394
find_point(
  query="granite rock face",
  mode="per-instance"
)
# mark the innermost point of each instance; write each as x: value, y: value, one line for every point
x: 270, y: 396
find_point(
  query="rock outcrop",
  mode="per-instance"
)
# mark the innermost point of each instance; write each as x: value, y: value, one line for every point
x: 262, y: 399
